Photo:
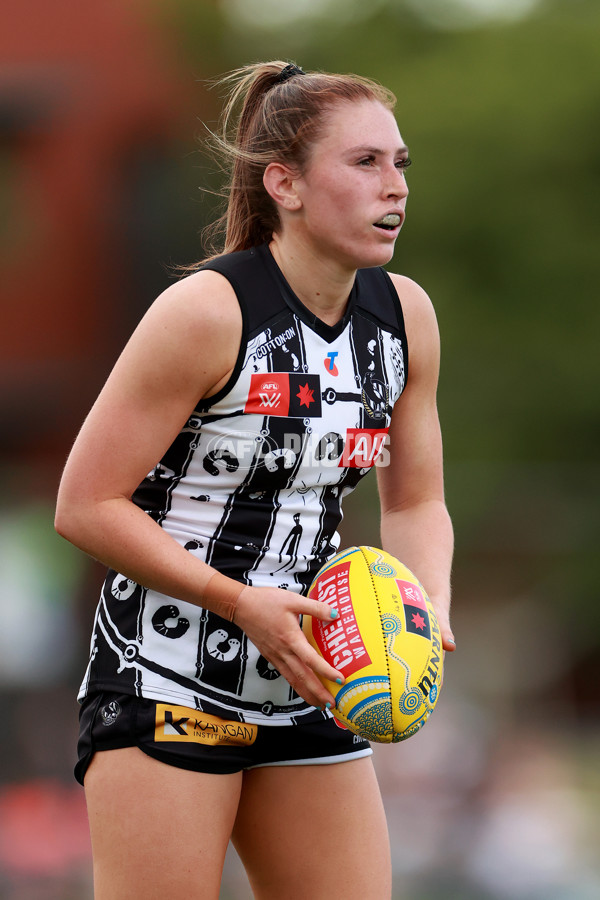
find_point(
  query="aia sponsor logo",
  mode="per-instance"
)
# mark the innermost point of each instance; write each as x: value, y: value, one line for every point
x: 284, y: 394
x: 329, y: 362
x: 363, y: 447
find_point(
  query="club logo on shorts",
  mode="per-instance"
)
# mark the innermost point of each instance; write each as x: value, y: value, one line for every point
x: 184, y: 725
x: 110, y: 713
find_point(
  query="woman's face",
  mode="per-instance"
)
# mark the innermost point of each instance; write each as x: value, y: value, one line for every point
x: 355, y: 177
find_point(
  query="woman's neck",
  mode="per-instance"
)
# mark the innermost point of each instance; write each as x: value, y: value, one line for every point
x: 322, y: 286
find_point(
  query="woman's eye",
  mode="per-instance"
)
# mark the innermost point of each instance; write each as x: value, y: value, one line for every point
x: 367, y: 161
x: 404, y: 163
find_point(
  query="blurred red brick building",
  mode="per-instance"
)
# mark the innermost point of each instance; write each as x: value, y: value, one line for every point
x: 90, y: 101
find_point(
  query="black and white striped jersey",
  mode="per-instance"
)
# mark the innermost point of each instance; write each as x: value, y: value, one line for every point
x: 253, y: 486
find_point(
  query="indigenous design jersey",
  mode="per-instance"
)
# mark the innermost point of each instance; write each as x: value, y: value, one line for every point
x: 253, y: 486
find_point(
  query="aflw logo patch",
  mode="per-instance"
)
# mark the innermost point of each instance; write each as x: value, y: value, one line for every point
x: 284, y: 394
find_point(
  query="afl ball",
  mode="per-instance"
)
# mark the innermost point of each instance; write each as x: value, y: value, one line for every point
x: 385, y: 641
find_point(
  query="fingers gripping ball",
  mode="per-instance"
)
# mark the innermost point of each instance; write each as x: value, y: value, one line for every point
x: 385, y: 640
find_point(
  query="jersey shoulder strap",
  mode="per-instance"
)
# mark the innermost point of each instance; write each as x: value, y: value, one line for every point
x: 377, y: 299
x: 257, y: 291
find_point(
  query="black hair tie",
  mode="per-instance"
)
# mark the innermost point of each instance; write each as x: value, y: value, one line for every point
x: 288, y: 72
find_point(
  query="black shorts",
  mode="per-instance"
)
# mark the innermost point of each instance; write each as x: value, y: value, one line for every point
x: 194, y: 740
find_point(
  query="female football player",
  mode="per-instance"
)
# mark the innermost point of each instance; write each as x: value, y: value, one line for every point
x: 255, y: 393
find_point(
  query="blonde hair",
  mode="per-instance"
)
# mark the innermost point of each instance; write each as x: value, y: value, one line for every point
x: 272, y: 115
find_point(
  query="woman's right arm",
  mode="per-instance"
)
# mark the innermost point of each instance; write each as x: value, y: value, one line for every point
x: 156, y: 383
x: 184, y: 349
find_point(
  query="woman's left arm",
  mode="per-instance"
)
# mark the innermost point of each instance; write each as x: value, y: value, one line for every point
x: 415, y: 524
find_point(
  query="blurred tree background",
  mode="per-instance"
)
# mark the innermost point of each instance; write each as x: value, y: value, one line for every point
x: 499, y: 102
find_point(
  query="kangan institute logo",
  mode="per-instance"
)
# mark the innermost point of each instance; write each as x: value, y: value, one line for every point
x: 183, y: 725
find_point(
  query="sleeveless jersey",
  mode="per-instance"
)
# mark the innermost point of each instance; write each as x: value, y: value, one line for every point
x: 253, y: 486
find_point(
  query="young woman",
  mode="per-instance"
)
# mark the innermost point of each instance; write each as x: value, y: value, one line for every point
x: 208, y: 476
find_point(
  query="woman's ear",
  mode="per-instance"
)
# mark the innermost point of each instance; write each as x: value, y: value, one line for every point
x: 280, y: 184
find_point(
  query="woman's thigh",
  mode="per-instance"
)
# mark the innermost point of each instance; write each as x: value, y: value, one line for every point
x: 314, y: 831
x: 157, y: 831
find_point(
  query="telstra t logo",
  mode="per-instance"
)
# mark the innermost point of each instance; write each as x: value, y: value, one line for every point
x: 330, y: 363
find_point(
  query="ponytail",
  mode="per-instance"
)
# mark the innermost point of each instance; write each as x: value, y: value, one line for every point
x: 274, y: 113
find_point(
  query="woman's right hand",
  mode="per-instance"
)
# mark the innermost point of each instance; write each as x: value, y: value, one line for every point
x: 269, y: 617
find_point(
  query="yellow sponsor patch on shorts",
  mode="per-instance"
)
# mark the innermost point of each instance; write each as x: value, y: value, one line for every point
x: 178, y: 723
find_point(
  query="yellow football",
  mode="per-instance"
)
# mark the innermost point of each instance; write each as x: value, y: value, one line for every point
x: 385, y: 641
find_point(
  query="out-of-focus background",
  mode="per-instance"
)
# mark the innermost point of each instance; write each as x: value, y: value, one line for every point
x: 101, y: 170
